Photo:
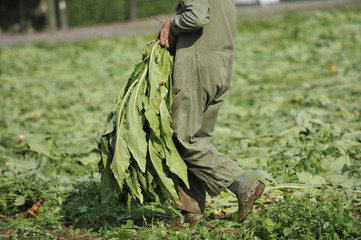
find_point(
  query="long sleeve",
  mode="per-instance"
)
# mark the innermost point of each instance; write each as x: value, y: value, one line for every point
x: 194, y: 15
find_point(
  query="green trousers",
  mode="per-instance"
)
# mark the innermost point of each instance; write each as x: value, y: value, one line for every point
x: 201, y: 83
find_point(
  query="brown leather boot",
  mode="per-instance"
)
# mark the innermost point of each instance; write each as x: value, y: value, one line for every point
x: 247, y: 191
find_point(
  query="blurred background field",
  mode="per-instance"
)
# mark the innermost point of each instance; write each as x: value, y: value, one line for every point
x: 292, y: 119
x: 30, y: 16
x: 35, y: 15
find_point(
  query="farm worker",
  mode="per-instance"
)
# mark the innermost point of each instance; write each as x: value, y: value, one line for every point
x: 203, y: 37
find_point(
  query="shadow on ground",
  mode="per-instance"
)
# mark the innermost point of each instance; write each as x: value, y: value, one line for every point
x: 83, y: 208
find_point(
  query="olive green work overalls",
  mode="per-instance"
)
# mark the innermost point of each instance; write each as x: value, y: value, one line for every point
x: 205, y: 32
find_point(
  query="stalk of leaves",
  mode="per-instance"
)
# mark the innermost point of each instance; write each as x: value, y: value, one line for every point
x: 139, y: 160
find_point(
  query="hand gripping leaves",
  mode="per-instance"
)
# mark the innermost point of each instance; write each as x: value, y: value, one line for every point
x: 139, y: 160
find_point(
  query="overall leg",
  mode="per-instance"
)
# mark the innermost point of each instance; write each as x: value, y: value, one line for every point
x: 198, y: 95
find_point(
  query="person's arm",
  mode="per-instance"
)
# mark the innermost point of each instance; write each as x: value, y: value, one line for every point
x: 194, y: 17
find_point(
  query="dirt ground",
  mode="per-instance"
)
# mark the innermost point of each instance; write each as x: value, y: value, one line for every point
x: 150, y: 25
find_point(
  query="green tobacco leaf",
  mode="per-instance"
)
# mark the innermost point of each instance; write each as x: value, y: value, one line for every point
x: 155, y: 78
x: 292, y: 133
x: 142, y: 180
x: 133, y: 184
x: 343, y: 145
x: 173, y: 159
x: 105, y: 153
x: 19, y: 201
x: 39, y: 144
x: 157, y: 161
x: 151, y: 189
x: 40, y: 148
x: 152, y: 118
x: 92, y: 158
x: 311, y: 179
x: 287, y: 231
x: 344, y: 181
x: 110, y: 122
x: 120, y: 160
x: 137, y: 142
x: 335, y: 165
x: 108, y: 183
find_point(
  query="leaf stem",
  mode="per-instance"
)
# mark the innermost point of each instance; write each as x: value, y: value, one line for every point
x: 283, y: 187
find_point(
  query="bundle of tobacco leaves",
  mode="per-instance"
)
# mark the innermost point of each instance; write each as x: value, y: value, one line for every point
x: 139, y: 161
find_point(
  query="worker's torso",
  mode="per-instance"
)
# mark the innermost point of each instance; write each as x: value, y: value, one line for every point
x: 217, y: 34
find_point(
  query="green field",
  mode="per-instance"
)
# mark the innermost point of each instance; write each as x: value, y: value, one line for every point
x: 87, y: 12
x: 292, y: 119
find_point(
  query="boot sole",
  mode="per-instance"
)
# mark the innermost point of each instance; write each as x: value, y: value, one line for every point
x: 242, y: 212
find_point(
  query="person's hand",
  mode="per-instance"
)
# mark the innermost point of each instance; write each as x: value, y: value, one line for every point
x: 167, y: 37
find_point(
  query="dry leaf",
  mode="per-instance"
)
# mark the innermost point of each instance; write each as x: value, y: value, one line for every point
x: 332, y: 69
x: 3, y: 218
x: 34, y: 211
x: 21, y: 138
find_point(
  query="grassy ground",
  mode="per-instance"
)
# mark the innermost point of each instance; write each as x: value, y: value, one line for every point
x: 292, y: 119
